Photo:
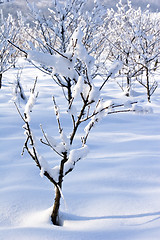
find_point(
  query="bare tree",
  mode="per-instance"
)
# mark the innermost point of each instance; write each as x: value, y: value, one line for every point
x: 71, y: 49
x: 85, y: 107
x: 53, y: 32
x: 133, y: 37
x: 147, y: 49
x: 18, y: 92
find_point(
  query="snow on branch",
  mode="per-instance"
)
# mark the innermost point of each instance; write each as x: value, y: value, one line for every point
x: 45, y: 168
x: 75, y: 155
x: 64, y: 145
x: 78, y: 88
x: 116, y: 66
x: 30, y: 103
x: 80, y: 51
x: 55, y: 61
x: 41, y: 163
x: 30, y: 145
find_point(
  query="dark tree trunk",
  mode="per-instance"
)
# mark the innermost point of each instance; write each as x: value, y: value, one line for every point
x: 55, y: 212
x: 128, y: 86
x: 69, y: 91
x: 21, y: 91
x: 0, y: 80
x: 148, y: 87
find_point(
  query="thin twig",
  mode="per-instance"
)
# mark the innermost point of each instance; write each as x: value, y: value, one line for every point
x: 121, y: 111
x: 18, y: 48
x: 61, y: 54
x: 57, y: 115
x: 19, y: 112
x: 48, y: 143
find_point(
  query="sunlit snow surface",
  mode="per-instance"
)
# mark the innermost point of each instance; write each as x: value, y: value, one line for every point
x: 112, y: 194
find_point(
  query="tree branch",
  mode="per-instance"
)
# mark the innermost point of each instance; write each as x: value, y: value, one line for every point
x: 18, y: 48
x: 48, y: 143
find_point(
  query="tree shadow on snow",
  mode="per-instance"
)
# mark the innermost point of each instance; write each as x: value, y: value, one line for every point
x: 71, y: 217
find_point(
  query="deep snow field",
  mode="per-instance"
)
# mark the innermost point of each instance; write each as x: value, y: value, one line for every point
x: 113, y: 194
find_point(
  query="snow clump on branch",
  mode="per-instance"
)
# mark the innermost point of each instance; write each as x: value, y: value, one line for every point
x: 29, y: 106
x: 116, y: 66
x: 80, y: 51
x: 60, y: 64
x: 53, y: 172
x: 74, y: 156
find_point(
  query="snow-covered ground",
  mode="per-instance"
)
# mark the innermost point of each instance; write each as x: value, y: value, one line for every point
x: 113, y: 194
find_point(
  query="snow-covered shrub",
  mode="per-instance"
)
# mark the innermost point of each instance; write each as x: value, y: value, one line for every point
x: 84, y: 105
x: 133, y: 38
x: 147, y: 49
x: 52, y: 33
x: 9, y: 30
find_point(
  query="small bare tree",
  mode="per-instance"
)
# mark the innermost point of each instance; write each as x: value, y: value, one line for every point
x: 18, y: 92
x: 147, y: 49
x: 119, y: 39
x: 85, y: 107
